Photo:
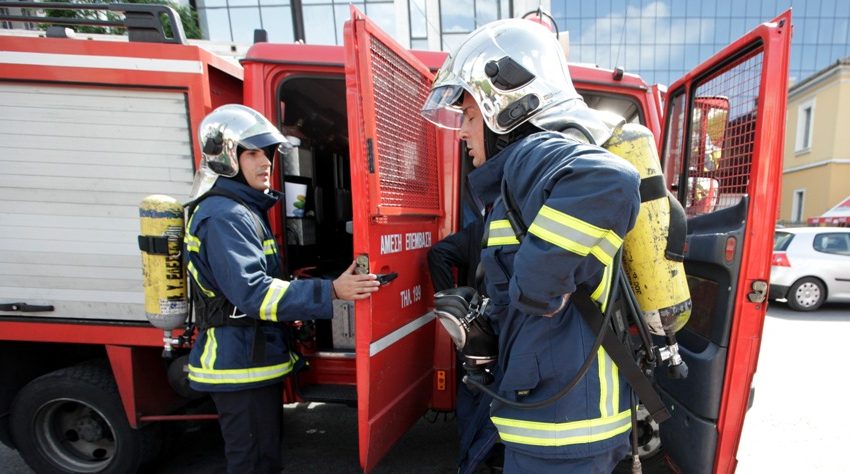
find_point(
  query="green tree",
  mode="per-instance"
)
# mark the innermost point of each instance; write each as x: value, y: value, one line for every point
x: 188, y: 17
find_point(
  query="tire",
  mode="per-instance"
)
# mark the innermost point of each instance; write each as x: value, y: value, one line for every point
x: 72, y: 420
x: 806, y: 294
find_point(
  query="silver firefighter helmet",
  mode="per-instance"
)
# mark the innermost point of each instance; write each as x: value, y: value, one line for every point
x: 514, y: 69
x: 221, y: 132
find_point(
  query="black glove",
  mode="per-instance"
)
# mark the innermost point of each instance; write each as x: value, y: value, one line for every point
x: 469, y: 329
x: 455, y: 301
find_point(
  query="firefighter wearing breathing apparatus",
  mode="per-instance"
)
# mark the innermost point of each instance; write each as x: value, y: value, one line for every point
x: 241, y: 353
x: 507, y: 89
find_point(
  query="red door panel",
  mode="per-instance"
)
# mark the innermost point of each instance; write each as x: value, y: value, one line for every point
x: 722, y: 148
x: 396, y: 180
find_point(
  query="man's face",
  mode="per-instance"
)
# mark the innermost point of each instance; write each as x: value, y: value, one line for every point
x: 256, y: 168
x: 472, y: 130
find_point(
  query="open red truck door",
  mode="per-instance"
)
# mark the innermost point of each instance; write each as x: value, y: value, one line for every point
x: 722, y: 149
x: 395, y: 175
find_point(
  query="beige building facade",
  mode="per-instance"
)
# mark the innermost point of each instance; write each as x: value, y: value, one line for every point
x: 816, y: 169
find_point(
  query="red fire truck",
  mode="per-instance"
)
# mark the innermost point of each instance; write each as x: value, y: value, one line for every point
x: 91, y: 127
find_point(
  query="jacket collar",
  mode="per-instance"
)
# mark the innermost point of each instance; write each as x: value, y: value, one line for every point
x: 258, y: 199
x: 484, y: 182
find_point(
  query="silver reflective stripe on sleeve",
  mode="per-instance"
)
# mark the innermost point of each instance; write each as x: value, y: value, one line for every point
x: 575, y: 235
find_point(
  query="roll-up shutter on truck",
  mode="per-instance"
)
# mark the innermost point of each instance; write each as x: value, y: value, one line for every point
x: 76, y: 161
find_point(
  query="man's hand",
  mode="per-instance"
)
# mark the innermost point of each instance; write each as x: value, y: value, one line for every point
x: 351, y: 286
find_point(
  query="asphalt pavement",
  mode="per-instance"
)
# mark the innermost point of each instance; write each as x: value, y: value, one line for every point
x: 798, y: 423
x: 317, y: 437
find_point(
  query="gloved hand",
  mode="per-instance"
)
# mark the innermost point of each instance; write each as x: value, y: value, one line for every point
x: 452, y: 306
x: 471, y: 332
x: 455, y: 301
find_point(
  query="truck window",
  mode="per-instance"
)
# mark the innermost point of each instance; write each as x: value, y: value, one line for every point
x: 619, y: 104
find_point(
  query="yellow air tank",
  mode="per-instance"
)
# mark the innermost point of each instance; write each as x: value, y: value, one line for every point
x: 659, y: 283
x: 161, y: 243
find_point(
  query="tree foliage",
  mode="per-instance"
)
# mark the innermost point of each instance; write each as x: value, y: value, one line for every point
x: 188, y: 17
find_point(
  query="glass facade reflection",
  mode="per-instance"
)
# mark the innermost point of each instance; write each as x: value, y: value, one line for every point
x: 663, y: 40
x: 660, y: 40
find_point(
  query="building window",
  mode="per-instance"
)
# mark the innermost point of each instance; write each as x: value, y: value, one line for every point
x: 458, y: 18
x: 797, y: 205
x: 417, y: 9
x: 805, y: 125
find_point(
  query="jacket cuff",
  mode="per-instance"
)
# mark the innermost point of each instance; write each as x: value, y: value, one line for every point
x: 323, y: 296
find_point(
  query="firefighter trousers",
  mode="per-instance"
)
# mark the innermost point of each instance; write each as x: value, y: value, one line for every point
x: 251, y: 422
x: 517, y: 462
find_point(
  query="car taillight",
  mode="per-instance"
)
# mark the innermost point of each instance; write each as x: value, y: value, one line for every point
x: 780, y: 260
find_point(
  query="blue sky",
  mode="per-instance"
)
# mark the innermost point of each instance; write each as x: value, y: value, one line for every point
x: 663, y: 39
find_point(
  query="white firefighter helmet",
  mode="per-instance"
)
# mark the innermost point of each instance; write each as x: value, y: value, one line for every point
x: 514, y: 69
x: 221, y: 133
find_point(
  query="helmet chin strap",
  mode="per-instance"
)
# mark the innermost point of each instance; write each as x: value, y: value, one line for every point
x: 494, y: 142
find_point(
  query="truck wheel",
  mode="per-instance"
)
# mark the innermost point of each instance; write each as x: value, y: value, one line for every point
x: 72, y: 420
x: 806, y: 294
x: 648, y: 434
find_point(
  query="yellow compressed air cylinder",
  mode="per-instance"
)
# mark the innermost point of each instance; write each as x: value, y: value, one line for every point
x: 164, y: 275
x: 659, y: 283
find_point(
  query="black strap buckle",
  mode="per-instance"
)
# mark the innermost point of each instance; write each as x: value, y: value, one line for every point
x: 157, y: 245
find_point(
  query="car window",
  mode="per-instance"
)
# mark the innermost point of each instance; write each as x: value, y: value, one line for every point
x: 781, y: 240
x: 834, y: 242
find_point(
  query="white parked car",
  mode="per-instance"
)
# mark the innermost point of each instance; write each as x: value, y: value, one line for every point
x: 811, y: 265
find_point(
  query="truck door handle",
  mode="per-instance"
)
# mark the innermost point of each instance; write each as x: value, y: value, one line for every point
x: 384, y: 278
x: 26, y: 308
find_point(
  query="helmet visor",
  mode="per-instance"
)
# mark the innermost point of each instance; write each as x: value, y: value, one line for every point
x: 442, y: 108
x: 264, y: 140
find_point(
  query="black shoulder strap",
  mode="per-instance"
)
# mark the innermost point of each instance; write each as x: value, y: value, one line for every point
x: 512, y: 213
x: 258, y: 224
x: 621, y: 356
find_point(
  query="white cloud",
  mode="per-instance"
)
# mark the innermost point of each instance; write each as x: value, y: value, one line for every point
x: 627, y: 31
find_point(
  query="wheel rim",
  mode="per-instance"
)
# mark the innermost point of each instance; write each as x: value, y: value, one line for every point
x: 648, y: 434
x: 807, y: 294
x: 74, y: 435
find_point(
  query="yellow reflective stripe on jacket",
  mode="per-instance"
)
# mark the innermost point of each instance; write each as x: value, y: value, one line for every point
x: 210, y: 349
x: 562, y: 434
x: 575, y: 235
x: 609, y: 384
x: 501, y: 233
x: 268, y: 309
x: 269, y: 247
x: 240, y: 376
x: 193, y: 244
x: 194, y: 272
x: 600, y: 294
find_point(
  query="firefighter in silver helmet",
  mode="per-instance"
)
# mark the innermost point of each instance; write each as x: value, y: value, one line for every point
x: 561, y: 208
x: 241, y: 299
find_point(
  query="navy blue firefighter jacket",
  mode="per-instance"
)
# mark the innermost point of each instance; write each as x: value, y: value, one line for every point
x: 226, y: 256
x: 578, y: 202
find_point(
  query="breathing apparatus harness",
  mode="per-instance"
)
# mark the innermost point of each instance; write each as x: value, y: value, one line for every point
x: 217, y: 310
x: 469, y: 326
